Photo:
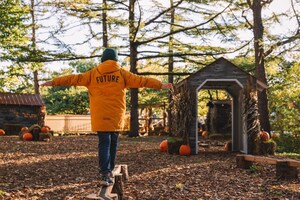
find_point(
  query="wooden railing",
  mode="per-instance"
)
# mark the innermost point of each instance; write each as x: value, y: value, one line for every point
x: 69, y: 123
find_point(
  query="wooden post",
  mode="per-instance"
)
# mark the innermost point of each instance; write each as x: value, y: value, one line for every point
x: 242, y: 162
x: 124, y: 172
x: 285, y: 171
x: 118, y: 186
x: 115, y: 191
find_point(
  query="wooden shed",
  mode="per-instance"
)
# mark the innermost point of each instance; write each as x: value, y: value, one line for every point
x: 242, y: 87
x: 18, y: 110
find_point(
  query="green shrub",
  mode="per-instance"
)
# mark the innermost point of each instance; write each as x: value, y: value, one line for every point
x: 288, y: 143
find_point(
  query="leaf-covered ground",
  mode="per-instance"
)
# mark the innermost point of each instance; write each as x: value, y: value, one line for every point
x: 66, y: 168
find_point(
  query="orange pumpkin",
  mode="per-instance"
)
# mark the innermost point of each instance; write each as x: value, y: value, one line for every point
x: 164, y: 146
x: 45, y: 129
x: 205, y: 134
x: 24, y: 128
x: 228, y: 146
x: 264, y: 135
x: 2, y: 132
x: 27, y: 137
x: 185, y: 150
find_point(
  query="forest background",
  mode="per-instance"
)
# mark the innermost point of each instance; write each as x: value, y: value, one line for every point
x: 40, y: 40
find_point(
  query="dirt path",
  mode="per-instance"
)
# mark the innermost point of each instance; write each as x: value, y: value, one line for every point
x: 66, y: 168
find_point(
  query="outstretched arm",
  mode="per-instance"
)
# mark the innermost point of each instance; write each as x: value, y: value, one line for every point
x: 48, y: 83
x: 167, y: 86
x: 70, y: 80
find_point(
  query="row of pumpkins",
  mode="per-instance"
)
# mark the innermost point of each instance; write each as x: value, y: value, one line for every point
x: 184, y: 150
x: 35, y: 133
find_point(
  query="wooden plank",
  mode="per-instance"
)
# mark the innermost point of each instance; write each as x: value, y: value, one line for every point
x: 293, y: 163
x: 261, y: 159
x: 96, y: 196
x: 272, y: 161
x: 117, y: 170
x: 105, y: 192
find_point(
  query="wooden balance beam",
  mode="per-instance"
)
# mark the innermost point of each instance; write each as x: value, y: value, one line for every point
x: 115, y: 191
x: 285, y: 169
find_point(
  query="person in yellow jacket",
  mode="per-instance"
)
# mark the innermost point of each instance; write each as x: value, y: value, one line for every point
x: 106, y: 86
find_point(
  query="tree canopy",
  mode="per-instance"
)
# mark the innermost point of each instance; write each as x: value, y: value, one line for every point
x: 164, y: 37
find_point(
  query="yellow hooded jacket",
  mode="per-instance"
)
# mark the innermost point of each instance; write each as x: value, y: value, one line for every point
x: 107, y: 85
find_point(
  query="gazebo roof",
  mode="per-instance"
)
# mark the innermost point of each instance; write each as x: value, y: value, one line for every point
x: 21, y: 99
x: 222, y: 69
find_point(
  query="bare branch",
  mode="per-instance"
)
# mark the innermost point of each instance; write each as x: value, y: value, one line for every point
x: 163, y: 12
x: 264, y: 2
x: 296, y: 15
x: 139, y: 22
x: 247, y: 21
x: 194, y: 54
x: 165, y: 73
x: 282, y: 42
x: 184, y: 29
x: 250, y: 4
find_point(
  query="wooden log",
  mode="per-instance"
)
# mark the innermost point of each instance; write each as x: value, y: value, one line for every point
x: 284, y: 171
x: 242, y: 162
x: 115, y: 191
x: 124, y: 171
x: 293, y: 163
x: 104, y: 193
x: 107, y: 197
x: 118, y: 186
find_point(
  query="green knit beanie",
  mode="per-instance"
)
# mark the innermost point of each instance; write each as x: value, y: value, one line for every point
x: 109, y: 54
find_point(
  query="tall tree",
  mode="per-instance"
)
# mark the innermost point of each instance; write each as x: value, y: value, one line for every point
x: 13, y: 28
x: 34, y: 47
x: 258, y: 32
x: 133, y: 45
x: 260, y: 53
x: 104, y: 24
x: 13, y: 39
x: 171, y: 61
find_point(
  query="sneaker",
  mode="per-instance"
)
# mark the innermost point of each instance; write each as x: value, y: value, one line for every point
x: 111, y: 175
x: 106, y: 180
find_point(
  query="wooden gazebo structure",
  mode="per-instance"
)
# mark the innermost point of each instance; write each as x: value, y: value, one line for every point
x: 18, y: 110
x: 241, y: 86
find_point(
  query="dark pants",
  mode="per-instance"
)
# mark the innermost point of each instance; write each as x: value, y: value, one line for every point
x: 107, y: 150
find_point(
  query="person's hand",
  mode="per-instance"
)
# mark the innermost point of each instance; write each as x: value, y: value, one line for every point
x: 48, y: 83
x: 167, y: 86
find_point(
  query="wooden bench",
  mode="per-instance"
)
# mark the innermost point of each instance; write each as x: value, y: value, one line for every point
x: 285, y: 169
x: 115, y: 191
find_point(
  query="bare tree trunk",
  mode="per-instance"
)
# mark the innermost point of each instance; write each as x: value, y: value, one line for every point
x: 104, y: 24
x: 33, y: 39
x: 171, y: 63
x: 258, y: 31
x: 134, y: 123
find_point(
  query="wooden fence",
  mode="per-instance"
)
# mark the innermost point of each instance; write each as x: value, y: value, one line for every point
x: 69, y: 123
x: 82, y: 123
